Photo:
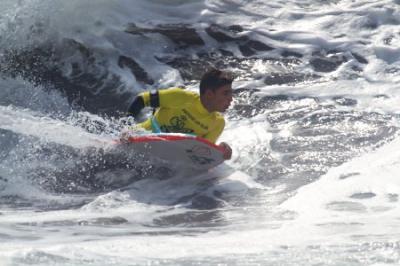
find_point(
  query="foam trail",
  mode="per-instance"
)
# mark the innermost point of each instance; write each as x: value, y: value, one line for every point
x: 47, y: 129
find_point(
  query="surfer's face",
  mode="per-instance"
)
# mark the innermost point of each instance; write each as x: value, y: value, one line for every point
x: 221, y: 98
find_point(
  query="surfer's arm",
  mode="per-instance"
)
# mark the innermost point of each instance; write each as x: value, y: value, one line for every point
x: 150, y: 98
x: 215, y: 133
x: 136, y: 106
x: 216, y: 130
x: 174, y: 97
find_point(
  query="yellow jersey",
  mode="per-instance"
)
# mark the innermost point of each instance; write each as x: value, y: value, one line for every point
x: 181, y: 111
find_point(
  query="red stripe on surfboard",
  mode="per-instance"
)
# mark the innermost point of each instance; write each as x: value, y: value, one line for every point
x: 210, y: 144
x: 172, y: 138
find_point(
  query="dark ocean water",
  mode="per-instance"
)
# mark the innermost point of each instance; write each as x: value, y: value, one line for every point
x: 316, y: 86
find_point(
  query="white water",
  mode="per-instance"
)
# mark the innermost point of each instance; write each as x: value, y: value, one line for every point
x: 268, y: 205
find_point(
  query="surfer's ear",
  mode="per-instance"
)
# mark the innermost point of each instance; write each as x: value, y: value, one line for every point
x: 209, y: 95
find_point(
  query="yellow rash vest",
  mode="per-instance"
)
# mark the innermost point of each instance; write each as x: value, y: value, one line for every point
x: 181, y: 111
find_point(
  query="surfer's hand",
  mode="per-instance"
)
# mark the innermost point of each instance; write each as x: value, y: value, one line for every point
x: 227, y: 150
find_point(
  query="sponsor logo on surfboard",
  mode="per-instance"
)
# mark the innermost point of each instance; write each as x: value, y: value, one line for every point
x: 200, y: 155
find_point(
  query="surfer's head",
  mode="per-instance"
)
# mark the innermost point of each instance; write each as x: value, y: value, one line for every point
x: 216, y: 90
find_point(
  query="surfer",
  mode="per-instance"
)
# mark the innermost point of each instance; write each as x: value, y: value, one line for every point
x: 181, y: 111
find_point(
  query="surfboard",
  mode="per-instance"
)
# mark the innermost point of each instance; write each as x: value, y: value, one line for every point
x: 186, y: 150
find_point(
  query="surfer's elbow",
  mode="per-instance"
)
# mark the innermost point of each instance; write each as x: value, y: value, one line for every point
x: 136, y: 106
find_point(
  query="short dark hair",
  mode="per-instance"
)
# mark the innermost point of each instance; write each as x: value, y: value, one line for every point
x: 214, y: 79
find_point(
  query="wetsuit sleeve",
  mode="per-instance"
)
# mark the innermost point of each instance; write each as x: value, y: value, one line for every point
x: 136, y: 106
x: 216, y: 131
x: 170, y: 98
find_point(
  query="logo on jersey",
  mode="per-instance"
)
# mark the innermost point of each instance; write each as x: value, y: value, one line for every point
x: 177, y: 124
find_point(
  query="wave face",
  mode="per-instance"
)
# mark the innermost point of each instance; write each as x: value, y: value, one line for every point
x: 314, y: 128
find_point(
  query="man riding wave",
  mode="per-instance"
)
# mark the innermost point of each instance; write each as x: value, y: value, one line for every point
x: 182, y: 111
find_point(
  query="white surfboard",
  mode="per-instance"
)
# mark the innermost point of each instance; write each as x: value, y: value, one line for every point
x: 183, y: 149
